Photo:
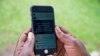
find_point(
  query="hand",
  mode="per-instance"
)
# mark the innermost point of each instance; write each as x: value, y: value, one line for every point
x: 68, y: 45
x: 25, y: 44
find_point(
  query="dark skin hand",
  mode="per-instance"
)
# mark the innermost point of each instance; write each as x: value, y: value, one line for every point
x: 70, y: 45
x: 67, y: 45
x: 25, y: 44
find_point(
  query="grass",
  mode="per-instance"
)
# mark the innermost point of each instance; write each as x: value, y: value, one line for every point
x: 80, y: 17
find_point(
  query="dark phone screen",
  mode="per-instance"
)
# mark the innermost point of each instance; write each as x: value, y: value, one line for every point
x: 43, y: 27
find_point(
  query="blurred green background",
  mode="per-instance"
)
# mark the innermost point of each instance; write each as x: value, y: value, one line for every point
x: 80, y: 17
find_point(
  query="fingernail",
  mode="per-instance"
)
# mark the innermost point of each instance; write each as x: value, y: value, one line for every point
x: 57, y: 27
x: 30, y: 36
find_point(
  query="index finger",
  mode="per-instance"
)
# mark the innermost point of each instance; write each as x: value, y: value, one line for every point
x: 24, y: 35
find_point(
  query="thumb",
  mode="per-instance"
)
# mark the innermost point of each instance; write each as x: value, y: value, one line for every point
x: 31, y: 40
x: 59, y: 34
x: 29, y: 44
x: 64, y: 37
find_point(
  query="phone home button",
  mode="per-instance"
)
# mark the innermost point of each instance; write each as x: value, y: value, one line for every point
x: 46, y: 51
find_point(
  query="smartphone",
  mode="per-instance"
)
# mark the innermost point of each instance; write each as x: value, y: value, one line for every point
x: 43, y: 26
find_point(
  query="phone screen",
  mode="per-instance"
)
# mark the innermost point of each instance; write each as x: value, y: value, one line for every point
x: 44, y: 30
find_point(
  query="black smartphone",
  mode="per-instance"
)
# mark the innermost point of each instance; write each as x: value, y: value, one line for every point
x: 43, y: 26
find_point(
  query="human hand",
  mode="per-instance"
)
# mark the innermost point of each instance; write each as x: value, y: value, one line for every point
x: 25, y: 44
x: 68, y: 45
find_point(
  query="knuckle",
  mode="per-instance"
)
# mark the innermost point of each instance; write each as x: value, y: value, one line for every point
x: 59, y: 33
x: 64, y: 35
x: 74, y: 41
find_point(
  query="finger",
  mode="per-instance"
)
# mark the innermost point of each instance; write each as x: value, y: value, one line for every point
x: 64, y: 38
x: 61, y: 50
x: 29, y: 44
x: 22, y: 39
x: 64, y: 31
x: 58, y: 32
x: 80, y: 43
x: 24, y: 35
x: 59, y: 45
x: 31, y: 38
x: 60, y: 35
